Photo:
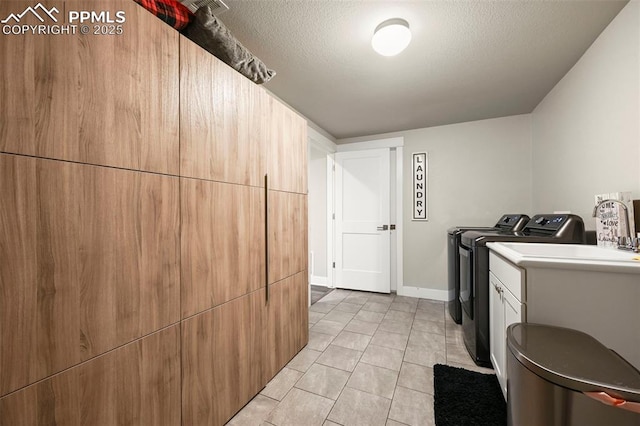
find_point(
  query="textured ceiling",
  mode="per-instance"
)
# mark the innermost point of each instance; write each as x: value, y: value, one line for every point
x: 468, y: 60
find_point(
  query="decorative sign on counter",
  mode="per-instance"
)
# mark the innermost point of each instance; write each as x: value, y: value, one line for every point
x: 611, y: 220
x: 420, y: 168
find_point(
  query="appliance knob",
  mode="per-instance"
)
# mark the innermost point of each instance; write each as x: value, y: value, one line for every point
x: 542, y: 221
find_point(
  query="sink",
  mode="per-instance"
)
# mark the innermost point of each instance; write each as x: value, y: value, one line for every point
x: 570, y: 250
x: 569, y: 256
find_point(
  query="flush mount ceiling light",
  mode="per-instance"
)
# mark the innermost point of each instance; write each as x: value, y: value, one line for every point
x: 391, y: 37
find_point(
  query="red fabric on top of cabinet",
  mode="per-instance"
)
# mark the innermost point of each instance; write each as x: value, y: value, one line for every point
x: 172, y: 12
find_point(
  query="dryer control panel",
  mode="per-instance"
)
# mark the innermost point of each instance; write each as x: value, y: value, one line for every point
x: 514, y: 222
x: 556, y: 225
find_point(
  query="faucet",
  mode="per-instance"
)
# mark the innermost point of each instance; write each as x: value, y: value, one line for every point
x: 627, y: 242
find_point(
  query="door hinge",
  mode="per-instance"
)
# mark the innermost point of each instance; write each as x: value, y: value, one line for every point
x: 333, y: 167
x: 333, y: 216
x: 334, y: 264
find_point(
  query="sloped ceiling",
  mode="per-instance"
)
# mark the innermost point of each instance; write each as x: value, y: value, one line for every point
x: 468, y: 60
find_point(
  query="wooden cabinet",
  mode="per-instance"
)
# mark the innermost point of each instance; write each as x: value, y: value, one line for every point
x: 138, y: 383
x: 230, y: 352
x: 288, y: 322
x: 287, y: 145
x: 223, y: 243
x: 233, y: 131
x: 82, y: 272
x: 287, y: 234
x: 222, y: 356
x: 222, y: 120
x: 133, y: 231
x: 107, y: 100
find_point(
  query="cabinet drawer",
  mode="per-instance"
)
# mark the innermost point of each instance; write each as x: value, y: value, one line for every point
x: 510, y: 275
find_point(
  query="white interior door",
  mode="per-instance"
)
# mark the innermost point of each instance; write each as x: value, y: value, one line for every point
x: 363, y: 253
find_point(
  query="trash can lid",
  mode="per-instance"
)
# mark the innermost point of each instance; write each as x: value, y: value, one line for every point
x: 573, y: 359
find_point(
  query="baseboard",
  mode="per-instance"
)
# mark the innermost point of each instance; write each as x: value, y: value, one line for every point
x: 424, y: 293
x: 321, y: 281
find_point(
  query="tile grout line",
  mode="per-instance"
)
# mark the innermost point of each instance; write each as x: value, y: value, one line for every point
x: 366, y: 347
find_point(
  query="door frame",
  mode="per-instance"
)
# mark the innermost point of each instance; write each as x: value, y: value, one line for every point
x: 322, y: 143
x: 398, y: 144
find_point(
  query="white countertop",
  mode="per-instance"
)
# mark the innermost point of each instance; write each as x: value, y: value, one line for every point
x: 568, y: 256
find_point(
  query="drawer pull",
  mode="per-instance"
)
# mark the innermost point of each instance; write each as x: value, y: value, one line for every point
x: 266, y: 235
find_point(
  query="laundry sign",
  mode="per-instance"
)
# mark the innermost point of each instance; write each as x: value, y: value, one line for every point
x: 420, y: 169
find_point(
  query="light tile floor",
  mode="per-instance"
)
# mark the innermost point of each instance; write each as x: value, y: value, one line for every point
x: 368, y: 362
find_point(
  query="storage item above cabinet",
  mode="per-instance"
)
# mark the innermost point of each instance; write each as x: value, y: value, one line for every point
x: 171, y: 12
x: 209, y: 32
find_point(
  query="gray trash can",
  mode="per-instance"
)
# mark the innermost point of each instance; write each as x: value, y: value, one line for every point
x: 562, y: 377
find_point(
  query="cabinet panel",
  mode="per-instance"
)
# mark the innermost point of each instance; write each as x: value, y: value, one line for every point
x: 509, y: 274
x: 136, y: 384
x: 222, y: 119
x: 287, y: 159
x: 223, y: 243
x: 513, y: 311
x: 82, y: 271
x: 107, y: 100
x: 288, y: 322
x: 505, y: 309
x: 287, y: 234
x: 497, y: 334
x: 300, y: 311
x: 221, y: 360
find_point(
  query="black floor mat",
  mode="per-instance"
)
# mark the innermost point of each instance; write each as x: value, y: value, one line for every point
x: 463, y: 397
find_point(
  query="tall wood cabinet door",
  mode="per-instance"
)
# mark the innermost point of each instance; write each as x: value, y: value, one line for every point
x: 300, y: 310
x: 89, y: 261
x: 223, y: 243
x: 287, y: 216
x: 277, y: 343
x: 221, y: 120
x: 136, y: 384
x: 287, y: 323
x: 221, y: 360
x: 287, y: 158
x: 101, y: 99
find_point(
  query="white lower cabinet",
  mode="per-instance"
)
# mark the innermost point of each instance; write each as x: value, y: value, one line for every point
x: 504, y: 309
x: 497, y: 342
x: 596, y: 297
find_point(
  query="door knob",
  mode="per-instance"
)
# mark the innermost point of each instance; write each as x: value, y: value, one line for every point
x: 383, y: 228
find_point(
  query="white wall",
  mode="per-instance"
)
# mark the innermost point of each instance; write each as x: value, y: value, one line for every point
x: 477, y: 172
x: 582, y: 139
x: 586, y: 131
x: 318, y: 212
x: 320, y: 200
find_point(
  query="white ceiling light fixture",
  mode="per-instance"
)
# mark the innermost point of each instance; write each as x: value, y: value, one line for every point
x: 391, y: 37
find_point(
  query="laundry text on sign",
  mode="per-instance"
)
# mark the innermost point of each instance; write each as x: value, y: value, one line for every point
x: 420, y: 168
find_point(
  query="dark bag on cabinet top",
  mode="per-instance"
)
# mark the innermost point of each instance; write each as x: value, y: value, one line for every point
x: 211, y: 34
